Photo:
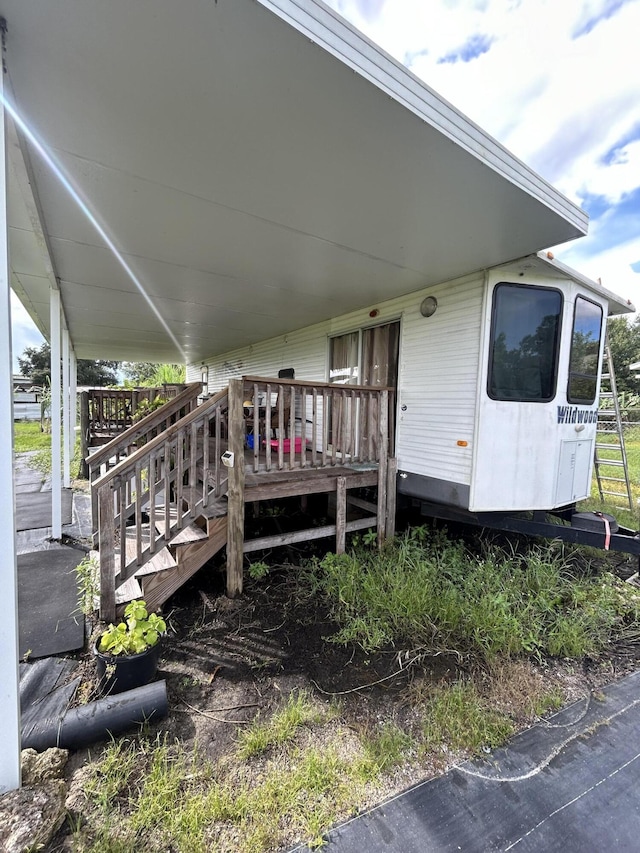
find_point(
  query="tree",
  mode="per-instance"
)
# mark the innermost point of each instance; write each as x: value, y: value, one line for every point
x: 35, y: 362
x: 153, y: 375
x: 139, y: 372
x: 624, y: 341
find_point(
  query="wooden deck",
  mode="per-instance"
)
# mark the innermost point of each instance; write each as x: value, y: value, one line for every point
x: 162, y: 488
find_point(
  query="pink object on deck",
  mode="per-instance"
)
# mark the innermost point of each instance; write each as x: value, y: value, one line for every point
x: 286, y: 444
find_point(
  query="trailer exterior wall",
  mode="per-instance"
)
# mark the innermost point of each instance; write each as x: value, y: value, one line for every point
x: 437, y: 378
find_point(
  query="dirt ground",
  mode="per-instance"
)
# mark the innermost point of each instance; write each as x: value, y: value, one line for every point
x: 228, y: 661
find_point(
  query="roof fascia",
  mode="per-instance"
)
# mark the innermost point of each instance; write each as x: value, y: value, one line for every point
x: 617, y: 304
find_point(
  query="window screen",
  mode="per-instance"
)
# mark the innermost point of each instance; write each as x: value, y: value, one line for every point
x: 585, y: 352
x: 525, y: 338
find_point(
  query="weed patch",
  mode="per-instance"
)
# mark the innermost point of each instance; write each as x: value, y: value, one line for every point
x: 437, y: 597
x: 457, y: 717
x: 282, y: 727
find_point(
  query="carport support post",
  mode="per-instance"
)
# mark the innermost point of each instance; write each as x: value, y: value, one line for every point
x: 73, y: 402
x: 56, y: 437
x: 9, y: 678
x: 66, y: 409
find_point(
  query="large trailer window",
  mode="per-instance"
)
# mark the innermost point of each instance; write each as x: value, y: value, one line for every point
x: 525, y: 340
x: 585, y: 352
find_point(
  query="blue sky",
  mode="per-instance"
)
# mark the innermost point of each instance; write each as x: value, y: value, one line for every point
x: 555, y: 81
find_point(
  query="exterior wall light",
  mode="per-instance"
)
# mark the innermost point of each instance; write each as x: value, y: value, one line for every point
x: 428, y: 306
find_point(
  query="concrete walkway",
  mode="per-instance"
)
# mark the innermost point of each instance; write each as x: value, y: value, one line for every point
x: 30, y: 484
x: 570, y: 784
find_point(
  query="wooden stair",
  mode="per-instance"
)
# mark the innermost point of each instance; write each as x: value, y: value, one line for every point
x: 173, y: 488
x: 165, y: 571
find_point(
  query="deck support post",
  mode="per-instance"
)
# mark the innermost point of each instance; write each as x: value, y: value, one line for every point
x: 106, y: 521
x: 9, y: 646
x: 392, y: 492
x: 341, y: 515
x: 383, y: 465
x: 235, y: 491
x: 56, y: 433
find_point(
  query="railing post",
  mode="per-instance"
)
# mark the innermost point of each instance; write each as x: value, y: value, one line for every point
x: 106, y: 523
x: 235, y: 495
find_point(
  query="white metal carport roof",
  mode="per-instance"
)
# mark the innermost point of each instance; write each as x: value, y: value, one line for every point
x: 259, y: 164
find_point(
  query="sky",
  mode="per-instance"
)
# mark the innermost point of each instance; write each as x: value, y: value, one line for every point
x: 555, y: 81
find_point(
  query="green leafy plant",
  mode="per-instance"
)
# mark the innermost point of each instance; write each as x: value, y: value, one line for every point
x: 136, y: 634
x: 146, y: 407
x: 258, y: 571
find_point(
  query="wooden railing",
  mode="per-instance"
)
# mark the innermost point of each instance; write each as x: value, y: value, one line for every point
x: 138, y: 435
x: 112, y: 410
x: 164, y: 484
x: 295, y: 424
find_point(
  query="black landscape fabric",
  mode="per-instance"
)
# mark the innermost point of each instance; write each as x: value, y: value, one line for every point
x: 48, y: 616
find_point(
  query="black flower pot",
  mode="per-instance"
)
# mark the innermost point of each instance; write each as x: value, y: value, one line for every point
x: 117, y: 673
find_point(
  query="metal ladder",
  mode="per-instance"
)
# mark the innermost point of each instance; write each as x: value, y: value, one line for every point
x: 610, y: 453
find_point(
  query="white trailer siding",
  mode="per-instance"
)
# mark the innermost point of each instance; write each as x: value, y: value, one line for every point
x: 305, y: 350
x: 438, y: 381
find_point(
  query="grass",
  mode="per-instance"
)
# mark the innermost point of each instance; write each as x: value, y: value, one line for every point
x: 152, y: 796
x: 283, y: 726
x: 305, y: 771
x: 436, y: 597
x: 27, y: 436
x: 628, y: 518
x: 458, y: 719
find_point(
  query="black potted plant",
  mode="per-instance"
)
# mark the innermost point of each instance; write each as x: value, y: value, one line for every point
x: 127, y: 653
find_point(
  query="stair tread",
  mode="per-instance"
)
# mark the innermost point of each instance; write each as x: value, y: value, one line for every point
x: 161, y: 561
x: 215, y: 509
x: 128, y: 591
x: 130, y: 541
x: 186, y: 536
x: 190, y: 533
x: 159, y: 518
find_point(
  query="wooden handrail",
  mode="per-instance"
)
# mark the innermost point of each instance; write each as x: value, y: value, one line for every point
x: 311, y: 383
x: 125, y: 465
x: 143, y: 426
